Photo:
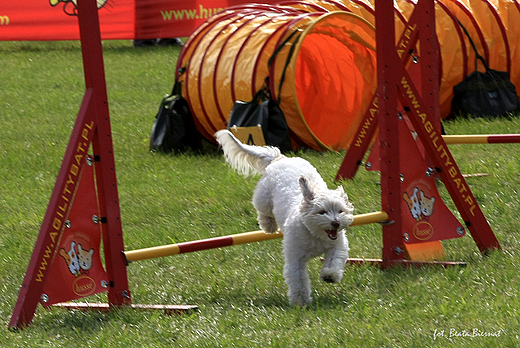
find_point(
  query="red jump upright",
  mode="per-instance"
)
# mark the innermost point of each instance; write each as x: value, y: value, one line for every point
x: 70, y: 234
x: 397, y: 91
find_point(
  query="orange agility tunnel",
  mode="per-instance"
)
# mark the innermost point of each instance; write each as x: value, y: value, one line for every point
x: 318, y: 59
x: 228, y: 58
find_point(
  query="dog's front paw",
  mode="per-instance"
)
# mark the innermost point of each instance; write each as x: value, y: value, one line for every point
x: 328, y: 279
x: 330, y: 275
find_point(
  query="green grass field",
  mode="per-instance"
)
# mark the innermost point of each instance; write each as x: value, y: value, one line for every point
x: 240, y: 291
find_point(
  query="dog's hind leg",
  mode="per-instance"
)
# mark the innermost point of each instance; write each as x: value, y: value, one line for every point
x: 267, y: 223
x: 264, y: 207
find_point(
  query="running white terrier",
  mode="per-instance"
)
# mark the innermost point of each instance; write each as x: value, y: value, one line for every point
x: 293, y: 196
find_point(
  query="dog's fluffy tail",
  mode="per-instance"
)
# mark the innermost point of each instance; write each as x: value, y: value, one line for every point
x: 246, y: 159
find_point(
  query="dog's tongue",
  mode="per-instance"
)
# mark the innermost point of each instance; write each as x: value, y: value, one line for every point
x: 333, y: 234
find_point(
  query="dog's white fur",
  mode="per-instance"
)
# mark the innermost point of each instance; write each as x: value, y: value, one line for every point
x: 293, y: 196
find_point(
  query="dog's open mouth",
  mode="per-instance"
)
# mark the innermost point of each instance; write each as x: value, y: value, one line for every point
x: 333, y: 234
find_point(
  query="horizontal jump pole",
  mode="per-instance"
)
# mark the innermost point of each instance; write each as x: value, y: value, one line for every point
x: 235, y: 239
x: 482, y: 139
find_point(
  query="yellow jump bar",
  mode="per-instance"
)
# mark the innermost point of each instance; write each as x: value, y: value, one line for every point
x: 482, y: 139
x: 235, y: 239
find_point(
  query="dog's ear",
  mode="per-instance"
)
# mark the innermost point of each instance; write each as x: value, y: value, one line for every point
x: 342, y: 192
x: 307, y: 188
x: 349, y: 205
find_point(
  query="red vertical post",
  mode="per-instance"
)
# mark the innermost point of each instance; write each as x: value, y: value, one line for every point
x: 430, y: 59
x: 115, y: 263
x: 387, y: 59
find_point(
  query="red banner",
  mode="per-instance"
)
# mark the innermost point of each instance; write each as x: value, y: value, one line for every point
x: 41, y: 20
x: 37, y: 20
x: 167, y: 18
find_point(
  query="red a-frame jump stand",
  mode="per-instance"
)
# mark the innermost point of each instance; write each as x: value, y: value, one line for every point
x: 70, y: 234
x: 395, y: 84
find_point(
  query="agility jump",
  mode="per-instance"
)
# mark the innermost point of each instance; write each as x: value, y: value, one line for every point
x: 92, y: 128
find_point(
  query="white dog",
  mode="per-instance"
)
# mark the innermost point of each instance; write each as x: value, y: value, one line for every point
x: 293, y: 196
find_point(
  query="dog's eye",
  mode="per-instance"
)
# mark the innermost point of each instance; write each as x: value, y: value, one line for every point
x: 322, y: 212
x: 340, y: 211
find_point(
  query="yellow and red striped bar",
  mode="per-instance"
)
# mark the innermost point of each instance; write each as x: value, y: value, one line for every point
x: 482, y: 139
x: 235, y: 239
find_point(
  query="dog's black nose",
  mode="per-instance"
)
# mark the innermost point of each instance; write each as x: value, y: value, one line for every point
x: 335, y: 224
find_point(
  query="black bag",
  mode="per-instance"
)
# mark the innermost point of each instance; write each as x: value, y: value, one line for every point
x: 265, y: 112
x: 484, y: 94
x: 174, y: 128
